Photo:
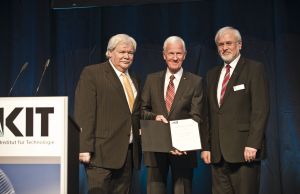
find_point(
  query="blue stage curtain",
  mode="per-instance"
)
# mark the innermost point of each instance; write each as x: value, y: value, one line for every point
x: 31, y: 31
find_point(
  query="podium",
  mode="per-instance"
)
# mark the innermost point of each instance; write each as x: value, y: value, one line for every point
x: 35, y: 135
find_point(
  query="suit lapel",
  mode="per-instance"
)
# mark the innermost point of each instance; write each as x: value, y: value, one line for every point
x: 233, y: 79
x: 183, y: 84
x: 161, y: 83
x: 112, y: 78
x: 135, y: 83
x: 215, y: 79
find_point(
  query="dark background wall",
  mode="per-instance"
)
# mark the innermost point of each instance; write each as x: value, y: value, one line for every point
x: 31, y: 31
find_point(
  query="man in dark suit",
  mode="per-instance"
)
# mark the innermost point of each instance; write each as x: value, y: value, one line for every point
x: 107, y: 103
x: 172, y: 94
x: 238, y: 107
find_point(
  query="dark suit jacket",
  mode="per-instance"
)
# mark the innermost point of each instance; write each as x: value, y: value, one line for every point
x: 187, y: 103
x: 102, y: 112
x: 242, y: 118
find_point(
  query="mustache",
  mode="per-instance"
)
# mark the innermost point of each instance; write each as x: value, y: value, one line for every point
x: 226, y: 52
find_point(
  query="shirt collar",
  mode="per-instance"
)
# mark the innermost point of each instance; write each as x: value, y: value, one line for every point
x: 177, y: 75
x: 233, y: 63
x: 117, y: 71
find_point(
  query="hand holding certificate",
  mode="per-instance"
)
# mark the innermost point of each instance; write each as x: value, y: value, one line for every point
x: 185, y: 135
x: 161, y: 137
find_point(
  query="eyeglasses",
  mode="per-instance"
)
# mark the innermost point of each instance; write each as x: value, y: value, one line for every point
x: 228, y: 43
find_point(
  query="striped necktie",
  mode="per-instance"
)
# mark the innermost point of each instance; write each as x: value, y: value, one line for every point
x: 224, y: 83
x: 170, y: 93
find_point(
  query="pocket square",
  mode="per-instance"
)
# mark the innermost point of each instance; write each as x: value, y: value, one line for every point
x: 239, y: 87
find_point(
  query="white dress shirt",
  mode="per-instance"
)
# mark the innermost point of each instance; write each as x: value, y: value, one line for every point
x: 232, y: 67
x: 132, y: 86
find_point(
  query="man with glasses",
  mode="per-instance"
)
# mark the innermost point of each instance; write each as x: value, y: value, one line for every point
x: 238, y: 107
x: 172, y: 94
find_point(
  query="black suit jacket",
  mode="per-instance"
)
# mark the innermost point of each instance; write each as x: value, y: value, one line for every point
x: 187, y: 103
x: 242, y: 118
x: 102, y: 112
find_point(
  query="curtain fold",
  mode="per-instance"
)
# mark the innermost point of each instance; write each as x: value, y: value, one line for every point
x: 72, y: 38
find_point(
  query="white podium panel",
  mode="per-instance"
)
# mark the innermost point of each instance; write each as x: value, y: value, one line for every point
x: 33, y: 144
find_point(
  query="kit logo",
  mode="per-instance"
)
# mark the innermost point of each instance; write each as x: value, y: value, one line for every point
x: 29, y: 118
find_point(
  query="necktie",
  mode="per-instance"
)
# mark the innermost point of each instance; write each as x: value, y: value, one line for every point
x: 224, y: 83
x: 170, y: 93
x: 128, y: 90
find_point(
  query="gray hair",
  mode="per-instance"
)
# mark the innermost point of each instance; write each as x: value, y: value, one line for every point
x: 228, y: 28
x: 117, y: 39
x: 173, y: 39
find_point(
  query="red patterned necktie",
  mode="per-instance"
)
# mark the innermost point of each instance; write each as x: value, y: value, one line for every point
x: 170, y: 93
x: 224, y: 83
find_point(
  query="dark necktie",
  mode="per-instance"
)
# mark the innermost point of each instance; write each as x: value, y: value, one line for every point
x: 170, y: 93
x: 224, y: 83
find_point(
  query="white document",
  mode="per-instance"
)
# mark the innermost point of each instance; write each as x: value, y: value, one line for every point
x: 185, y: 135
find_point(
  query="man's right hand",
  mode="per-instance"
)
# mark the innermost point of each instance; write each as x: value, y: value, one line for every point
x: 205, y: 155
x: 85, y: 157
x: 161, y: 118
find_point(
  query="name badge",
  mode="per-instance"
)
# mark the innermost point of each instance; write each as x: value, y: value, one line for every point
x: 239, y: 87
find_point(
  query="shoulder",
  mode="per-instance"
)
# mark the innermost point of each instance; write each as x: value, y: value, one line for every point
x: 191, y: 75
x: 95, y: 68
x: 91, y: 73
x: 214, y: 70
x: 251, y: 62
x: 156, y: 75
x: 193, y: 80
x: 253, y: 65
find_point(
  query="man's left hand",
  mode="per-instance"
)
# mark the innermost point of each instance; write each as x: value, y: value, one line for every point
x: 177, y: 152
x: 249, y: 154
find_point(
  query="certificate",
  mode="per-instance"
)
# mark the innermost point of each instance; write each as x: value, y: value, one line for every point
x: 185, y: 135
x: 163, y: 137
